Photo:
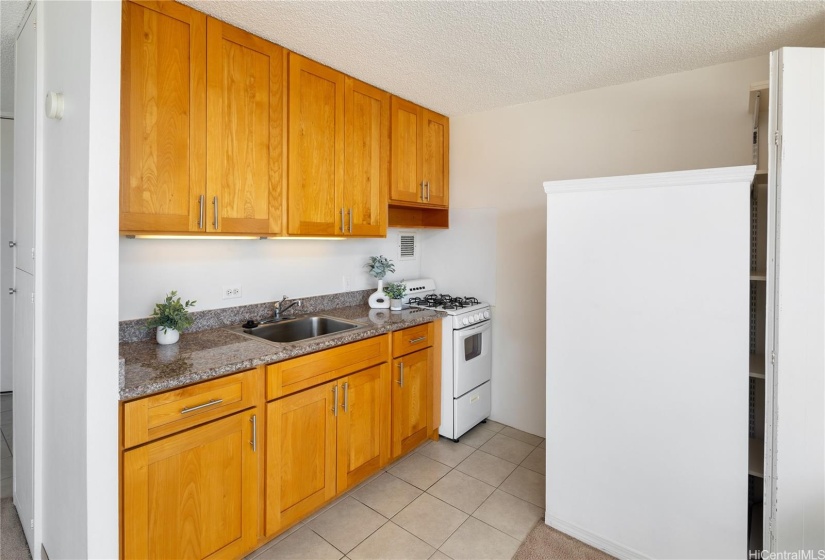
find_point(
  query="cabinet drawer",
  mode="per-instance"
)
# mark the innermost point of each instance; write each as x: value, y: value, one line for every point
x: 412, y: 339
x: 294, y: 375
x: 166, y: 413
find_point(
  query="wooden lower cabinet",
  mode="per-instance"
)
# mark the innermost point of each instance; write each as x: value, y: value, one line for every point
x: 324, y: 440
x: 194, y: 494
x: 410, y: 400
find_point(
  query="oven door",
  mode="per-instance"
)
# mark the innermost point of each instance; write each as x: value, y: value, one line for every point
x: 472, y: 357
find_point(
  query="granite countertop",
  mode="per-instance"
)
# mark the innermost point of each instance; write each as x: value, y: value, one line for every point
x: 147, y: 367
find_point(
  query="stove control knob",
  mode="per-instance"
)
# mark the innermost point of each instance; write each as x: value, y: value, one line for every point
x: 478, y: 316
x: 472, y: 319
x: 465, y: 321
x: 486, y: 314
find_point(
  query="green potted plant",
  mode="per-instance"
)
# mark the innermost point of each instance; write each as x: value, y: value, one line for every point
x: 170, y: 318
x: 378, y: 268
x: 395, y: 291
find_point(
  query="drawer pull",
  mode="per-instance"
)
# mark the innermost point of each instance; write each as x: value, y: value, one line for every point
x: 213, y: 402
x: 417, y: 340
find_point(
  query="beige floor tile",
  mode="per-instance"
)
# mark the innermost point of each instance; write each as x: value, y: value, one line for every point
x: 529, y: 439
x: 430, y: 519
x: 536, y: 461
x: 5, y: 487
x: 5, y: 452
x: 543, y: 444
x: 6, y: 467
x: 427, y: 443
x: 303, y: 544
x: 6, y: 417
x: 391, y: 542
x: 493, y: 426
x: 420, y: 471
x: 525, y: 484
x: 347, y: 524
x: 487, y: 468
x: 476, y: 540
x: 447, y: 452
x: 438, y: 555
x: 387, y: 494
x: 477, y: 437
x: 255, y: 554
x: 509, y: 514
x: 507, y: 448
x: 462, y: 491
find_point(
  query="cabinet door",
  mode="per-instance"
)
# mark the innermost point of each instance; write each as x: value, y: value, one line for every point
x: 435, y: 158
x: 406, y: 184
x: 363, y: 425
x: 409, y: 400
x: 194, y: 494
x: 245, y: 119
x: 163, y: 117
x: 367, y: 161
x: 316, y: 148
x: 300, y: 453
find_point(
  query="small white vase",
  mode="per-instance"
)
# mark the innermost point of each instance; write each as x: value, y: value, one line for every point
x: 379, y: 300
x: 396, y: 305
x: 171, y: 336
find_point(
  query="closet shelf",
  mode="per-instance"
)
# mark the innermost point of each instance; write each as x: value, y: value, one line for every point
x: 756, y: 457
x: 758, y: 275
x: 756, y: 366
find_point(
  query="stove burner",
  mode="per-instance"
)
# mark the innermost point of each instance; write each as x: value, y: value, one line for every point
x: 448, y: 305
x: 415, y: 300
x: 471, y: 301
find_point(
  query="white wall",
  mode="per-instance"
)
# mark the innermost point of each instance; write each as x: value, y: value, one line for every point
x: 79, y: 270
x: 6, y: 260
x: 266, y: 269
x: 500, y: 158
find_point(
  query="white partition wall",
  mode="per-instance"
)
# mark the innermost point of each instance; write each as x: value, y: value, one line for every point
x: 647, y: 362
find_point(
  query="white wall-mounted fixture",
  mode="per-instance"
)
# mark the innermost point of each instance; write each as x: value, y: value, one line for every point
x: 54, y: 105
x: 407, y: 244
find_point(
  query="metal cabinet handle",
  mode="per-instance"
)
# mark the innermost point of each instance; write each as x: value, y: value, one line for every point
x: 215, y: 204
x: 346, y: 397
x: 417, y: 340
x: 335, y: 400
x: 201, y: 200
x: 349, y: 212
x: 428, y: 191
x: 213, y: 402
x: 342, y: 219
x: 254, y: 441
x: 423, y: 199
x: 401, y: 374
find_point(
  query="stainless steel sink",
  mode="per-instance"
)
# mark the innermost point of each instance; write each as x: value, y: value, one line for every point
x: 302, y: 328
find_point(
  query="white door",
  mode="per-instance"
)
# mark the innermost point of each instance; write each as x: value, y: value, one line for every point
x: 6, y: 253
x: 23, y: 411
x: 25, y: 104
x: 797, y: 313
x: 23, y: 345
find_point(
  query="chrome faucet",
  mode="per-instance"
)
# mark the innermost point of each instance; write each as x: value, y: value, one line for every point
x: 280, y: 309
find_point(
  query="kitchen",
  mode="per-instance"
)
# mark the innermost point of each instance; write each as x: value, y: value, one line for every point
x: 481, y: 217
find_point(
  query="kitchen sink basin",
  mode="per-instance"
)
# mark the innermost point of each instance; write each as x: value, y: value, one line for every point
x: 293, y: 330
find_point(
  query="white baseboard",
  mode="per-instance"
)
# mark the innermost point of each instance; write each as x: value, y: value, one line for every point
x: 585, y: 536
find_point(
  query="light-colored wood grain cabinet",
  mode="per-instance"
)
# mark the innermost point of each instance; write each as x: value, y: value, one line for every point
x: 410, y: 399
x: 366, y: 161
x: 301, y: 454
x: 435, y: 157
x: 202, y: 125
x: 245, y: 110
x: 193, y: 495
x: 316, y: 147
x: 163, y: 117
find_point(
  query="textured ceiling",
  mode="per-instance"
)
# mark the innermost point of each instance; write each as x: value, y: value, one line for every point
x: 11, y: 14
x: 463, y: 57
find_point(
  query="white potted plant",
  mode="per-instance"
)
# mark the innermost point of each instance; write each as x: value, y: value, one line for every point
x: 378, y: 268
x: 395, y: 291
x: 170, y: 318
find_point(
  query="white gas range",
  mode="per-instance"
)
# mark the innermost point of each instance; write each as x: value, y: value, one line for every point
x: 467, y: 361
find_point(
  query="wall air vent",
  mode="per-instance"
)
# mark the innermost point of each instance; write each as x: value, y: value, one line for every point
x: 407, y: 243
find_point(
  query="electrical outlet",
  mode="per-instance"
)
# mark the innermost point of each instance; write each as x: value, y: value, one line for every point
x: 232, y: 292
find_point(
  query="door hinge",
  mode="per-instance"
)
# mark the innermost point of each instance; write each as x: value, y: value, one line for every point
x: 31, y: 523
x: 32, y: 297
x: 776, y: 137
x: 773, y: 357
x: 32, y: 253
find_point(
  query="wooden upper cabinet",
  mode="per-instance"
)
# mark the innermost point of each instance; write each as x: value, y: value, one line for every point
x: 163, y: 117
x: 245, y: 78
x: 435, y: 157
x: 367, y: 159
x: 420, y: 155
x: 194, y: 494
x: 316, y: 148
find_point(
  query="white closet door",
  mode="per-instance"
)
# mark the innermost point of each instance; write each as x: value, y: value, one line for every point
x: 25, y: 105
x: 647, y: 362
x: 798, y: 174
